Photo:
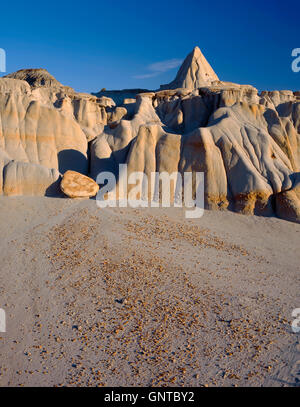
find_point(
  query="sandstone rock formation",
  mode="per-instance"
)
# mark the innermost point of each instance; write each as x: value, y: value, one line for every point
x: 45, y: 129
x: 76, y: 185
x: 226, y: 138
x: 194, y: 73
x: 36, y: 78
x: 247, y: 144
x: 21, y: 178
x: 119, y: 96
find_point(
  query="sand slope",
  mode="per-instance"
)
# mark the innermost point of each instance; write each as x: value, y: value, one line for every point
x: 145, y: 297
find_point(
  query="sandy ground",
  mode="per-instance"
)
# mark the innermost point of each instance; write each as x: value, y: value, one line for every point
x: 144, y: 297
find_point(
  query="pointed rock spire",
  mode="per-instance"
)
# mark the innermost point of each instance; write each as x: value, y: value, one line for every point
x: 194, y: 73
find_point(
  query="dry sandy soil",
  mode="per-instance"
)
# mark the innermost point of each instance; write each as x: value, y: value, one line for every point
x: 144, y: 297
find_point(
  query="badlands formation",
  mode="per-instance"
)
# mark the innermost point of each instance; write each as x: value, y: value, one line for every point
x: 247, y: 144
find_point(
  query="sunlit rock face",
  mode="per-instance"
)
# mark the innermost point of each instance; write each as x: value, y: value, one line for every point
x: 246, y: 143
x: 45, y: 129
x: 34, y: 132
x: 194, y: 73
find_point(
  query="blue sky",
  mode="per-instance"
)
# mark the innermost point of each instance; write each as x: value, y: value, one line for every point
x: 124, y: 44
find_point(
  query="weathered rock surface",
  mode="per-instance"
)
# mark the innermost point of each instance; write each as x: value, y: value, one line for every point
x: 36, y: 78
x: 76, y: 185
x: 119, y: 96
x: 45, y: 128
x: 247, y: 144
x: 20, y: 178
x: 88, y: 110
x: 194, y: 73
x: 35, y: 135
x: 287, y: 202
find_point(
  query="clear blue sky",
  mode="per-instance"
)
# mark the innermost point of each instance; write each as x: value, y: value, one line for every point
x: 113, y: 43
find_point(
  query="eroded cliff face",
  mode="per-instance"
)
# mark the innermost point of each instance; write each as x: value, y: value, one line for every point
x: 248, y: 145
x: 44, y: 131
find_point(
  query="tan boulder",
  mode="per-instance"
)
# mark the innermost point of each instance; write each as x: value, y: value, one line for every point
x: 76, y: 185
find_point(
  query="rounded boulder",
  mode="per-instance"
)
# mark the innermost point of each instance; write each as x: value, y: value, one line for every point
x: 76, y: 185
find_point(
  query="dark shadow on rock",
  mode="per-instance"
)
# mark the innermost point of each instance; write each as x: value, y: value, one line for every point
x: 267, y: 210
x: 54, y: 191
x: 295, y: 178
x: 285, y: 109
x: 72, y: 160
x: 109, y: 164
